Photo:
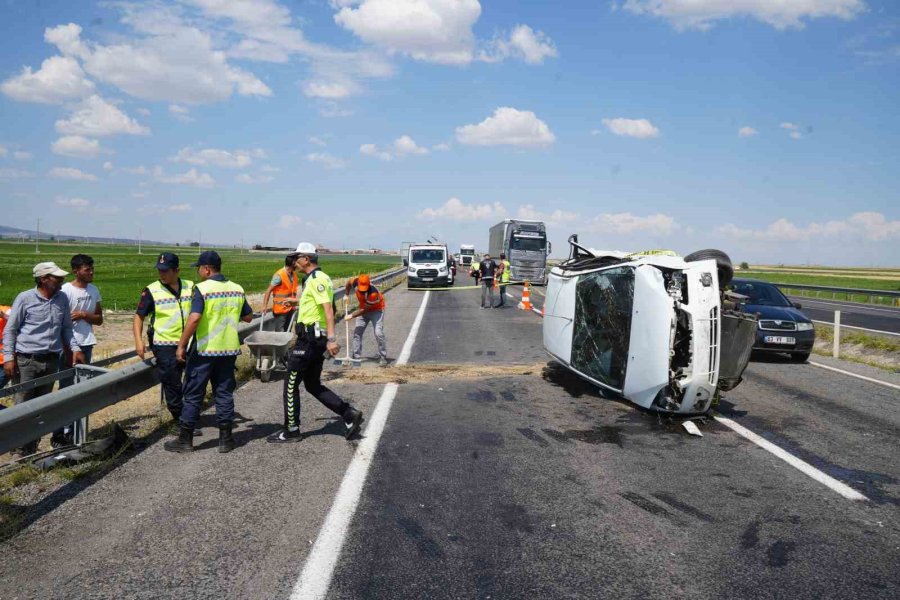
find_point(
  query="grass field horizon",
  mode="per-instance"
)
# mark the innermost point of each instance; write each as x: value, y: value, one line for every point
x: 121, y: 273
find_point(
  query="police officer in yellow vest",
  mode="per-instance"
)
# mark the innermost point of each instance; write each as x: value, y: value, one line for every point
x: 168, y: 303
x: 216, y: 308
x: 315, y: 336
x: 505, y: 267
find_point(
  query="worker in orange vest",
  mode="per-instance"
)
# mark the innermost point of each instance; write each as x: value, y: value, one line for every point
x: 371, y: 310
x: 283, y: 290
x: 4, y: 315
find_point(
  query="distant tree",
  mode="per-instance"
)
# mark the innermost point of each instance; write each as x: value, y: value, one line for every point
x: 745, y: 266
x: 195, y: 244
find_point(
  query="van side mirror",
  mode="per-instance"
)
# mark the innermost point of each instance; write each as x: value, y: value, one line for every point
x: 796, y: 305
x: 549, y: 247
x: 405, y: 262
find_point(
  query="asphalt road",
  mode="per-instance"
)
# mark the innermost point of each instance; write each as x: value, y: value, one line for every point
x: 879, y: 318
x: 525, y: 485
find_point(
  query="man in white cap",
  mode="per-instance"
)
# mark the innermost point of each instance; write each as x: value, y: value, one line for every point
x: 315, y: 336
x: 38, y: 329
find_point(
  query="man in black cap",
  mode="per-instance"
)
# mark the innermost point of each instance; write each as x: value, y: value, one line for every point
x: 168, y: 302
x: 216, y: 308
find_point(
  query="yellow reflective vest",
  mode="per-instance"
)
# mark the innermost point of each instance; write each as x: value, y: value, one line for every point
x: 217, y: 330
x: 506, y: 267
x: 170, y: 313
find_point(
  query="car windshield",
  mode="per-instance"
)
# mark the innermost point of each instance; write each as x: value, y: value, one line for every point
x: 762, y: 294
x: 528, y: 244
x: 603, y: 325
x: 428, y: 256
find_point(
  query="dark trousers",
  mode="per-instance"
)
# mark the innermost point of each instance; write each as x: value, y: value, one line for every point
x: 284, y: 321
x: 170, y: 373
x: 29, y: 369
x: 502, y: 291
x: 305, y: 364
x: 201, y: 370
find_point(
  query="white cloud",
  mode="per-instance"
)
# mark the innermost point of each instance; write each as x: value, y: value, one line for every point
x: 861, y: 225
x: 107, y: 166
x: 523, y: 43
x: 226, y: 159
x: 455, y: 209
x: 144, y: 112
x: 442, y: 147
x: 793, y: 130
x: 181, y: 113
x: 96, y: 117
x: 59, y: 79
x: 253, y: 179
x: 747, y: 131
x: 160, y: 209
x: 326, y: 160
x: 627, y: 223
x: 635, y: 128
x: 400, y: 147
x: 78, y: 146
x: 70, y: 173
x: 437, y: 31
x: 191, y: 177
x: 15, y: 174
x: 558, y: 217
x: 139, y: 170
x: 78, y: 204
x: 317, y: 141
x: 507, y: 126
x: 169, y: 60
x: 702, y: 14
x: 330, y: 90
x: 333, y: 110
x: 269, y: 169
x: 289, y: 221
x: 790, y: 126
x: 185, y: 207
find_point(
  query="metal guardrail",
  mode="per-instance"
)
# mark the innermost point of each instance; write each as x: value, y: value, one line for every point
x: 40, y: 416
x: 843, y: 290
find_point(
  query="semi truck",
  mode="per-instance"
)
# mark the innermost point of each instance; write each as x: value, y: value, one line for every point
x: 526, y: 248
x: 466, y: 255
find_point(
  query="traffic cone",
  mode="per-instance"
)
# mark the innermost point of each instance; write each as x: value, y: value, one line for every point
x: 525, y: 304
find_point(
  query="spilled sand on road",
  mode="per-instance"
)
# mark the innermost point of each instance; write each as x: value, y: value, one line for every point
x: 419, y: 373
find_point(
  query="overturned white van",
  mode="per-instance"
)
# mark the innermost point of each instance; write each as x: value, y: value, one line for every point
x: 651, y: 327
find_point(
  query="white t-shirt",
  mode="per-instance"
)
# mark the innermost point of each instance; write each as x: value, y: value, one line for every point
x: 85, y: 299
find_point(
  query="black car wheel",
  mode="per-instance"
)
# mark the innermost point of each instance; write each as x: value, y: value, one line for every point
x: 800, y: 357
x: 723, y: 263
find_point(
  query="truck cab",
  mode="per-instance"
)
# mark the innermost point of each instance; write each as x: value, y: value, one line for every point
x: 428, y: 265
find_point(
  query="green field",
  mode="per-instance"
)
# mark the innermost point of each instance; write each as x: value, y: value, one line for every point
x: 121, y: 273
x: 861, y: 281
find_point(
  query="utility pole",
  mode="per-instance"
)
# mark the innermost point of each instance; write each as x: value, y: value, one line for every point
x: 37, y: 238
x: 140, y: 238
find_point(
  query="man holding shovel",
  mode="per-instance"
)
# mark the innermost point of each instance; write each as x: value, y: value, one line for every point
x: 371, y: 310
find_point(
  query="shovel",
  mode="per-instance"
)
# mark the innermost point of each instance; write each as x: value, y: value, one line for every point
x: 346, y: 361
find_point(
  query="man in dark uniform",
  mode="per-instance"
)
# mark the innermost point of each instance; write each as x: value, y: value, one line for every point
x: 168, y: 303
x: 315, y: 336
x: 488, y: 270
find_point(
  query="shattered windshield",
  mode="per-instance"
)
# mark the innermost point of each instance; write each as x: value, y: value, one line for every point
x: 762, y: 294
x: 603, y: 325
x: 528, y: 244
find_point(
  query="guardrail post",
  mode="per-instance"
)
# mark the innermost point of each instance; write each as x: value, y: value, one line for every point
x: 836, y: 350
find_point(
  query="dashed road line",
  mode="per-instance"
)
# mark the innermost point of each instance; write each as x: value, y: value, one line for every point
x: 804, y: 467
x: 863, y: 377
x: 316, y: 576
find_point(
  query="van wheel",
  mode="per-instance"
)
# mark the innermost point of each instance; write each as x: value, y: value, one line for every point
x: 723, y: 263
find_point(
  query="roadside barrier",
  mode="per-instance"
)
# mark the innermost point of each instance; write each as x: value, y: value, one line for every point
x: 459, y: 288
x: 30, y: 420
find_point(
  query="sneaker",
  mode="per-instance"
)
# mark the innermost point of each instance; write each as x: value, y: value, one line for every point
x: 285, y: 436
x: 61, y: 441
x: 352, y: 421
x: 382, y: 362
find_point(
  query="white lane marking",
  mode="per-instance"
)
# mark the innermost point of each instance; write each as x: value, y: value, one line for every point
x: 861, y: 307
x: 804, y: 467
x: 316, y: 576
x: 843, y: 326
x: 863, y: 377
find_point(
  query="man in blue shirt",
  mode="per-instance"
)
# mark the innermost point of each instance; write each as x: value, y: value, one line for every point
x: 39, y: 327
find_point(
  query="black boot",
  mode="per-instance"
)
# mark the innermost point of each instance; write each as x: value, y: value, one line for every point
x: 226, y: 440
x: 185, y: 441
x: 352, y: 419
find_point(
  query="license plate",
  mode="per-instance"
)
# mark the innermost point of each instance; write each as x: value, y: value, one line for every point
x: 428, y: 279
x: 776, y: 339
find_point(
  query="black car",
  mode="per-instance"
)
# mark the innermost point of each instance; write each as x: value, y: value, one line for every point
x: 782, y: 327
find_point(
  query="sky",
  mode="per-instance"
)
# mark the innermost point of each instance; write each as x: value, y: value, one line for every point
x: 767, y: 129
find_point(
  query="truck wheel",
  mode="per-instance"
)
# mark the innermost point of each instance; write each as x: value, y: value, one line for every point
x: 723, y: 263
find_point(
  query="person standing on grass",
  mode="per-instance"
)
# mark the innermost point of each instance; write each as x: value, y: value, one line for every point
x: 283, y: 290
x: 84, y: 302
x: 38, y: 329
x: 168, y: 303
x: 216, y: 308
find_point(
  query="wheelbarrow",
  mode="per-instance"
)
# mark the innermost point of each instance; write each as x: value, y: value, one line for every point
x: 268, y: 347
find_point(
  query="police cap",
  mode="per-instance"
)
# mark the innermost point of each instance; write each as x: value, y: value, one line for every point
x: 167, y: 260
x: 209, y: 258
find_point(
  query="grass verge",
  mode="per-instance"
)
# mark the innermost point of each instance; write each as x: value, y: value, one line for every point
x: 873, y: 350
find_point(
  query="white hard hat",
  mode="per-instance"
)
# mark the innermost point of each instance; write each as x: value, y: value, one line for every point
x: 306, y: 248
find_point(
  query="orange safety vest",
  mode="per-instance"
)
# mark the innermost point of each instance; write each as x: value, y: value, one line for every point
x: 286, y: 289
x: 4, y: 309
x: 370, y: 301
